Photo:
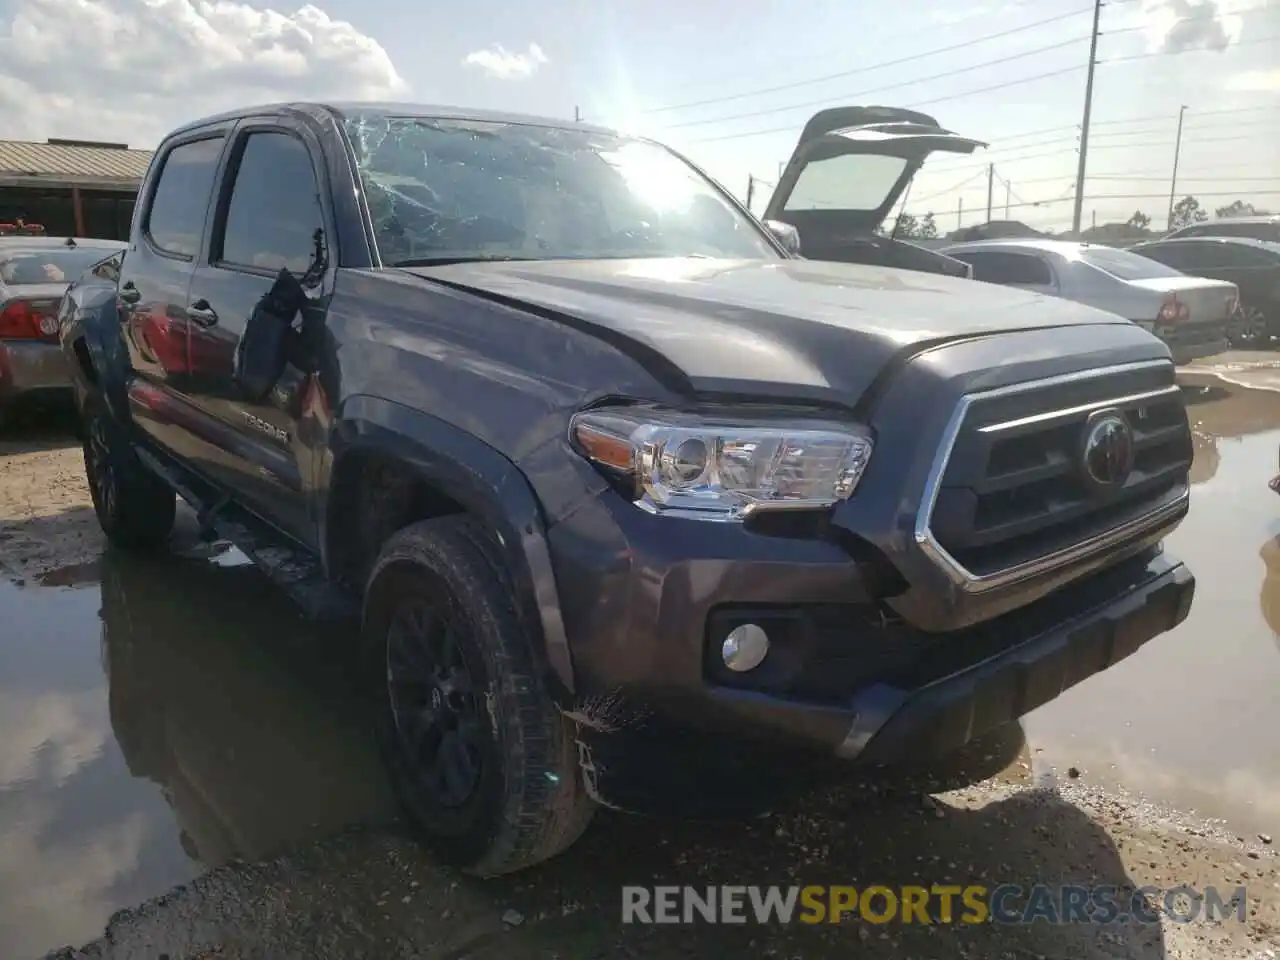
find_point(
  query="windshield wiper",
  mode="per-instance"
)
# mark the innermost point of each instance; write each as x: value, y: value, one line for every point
x: 446, y: 260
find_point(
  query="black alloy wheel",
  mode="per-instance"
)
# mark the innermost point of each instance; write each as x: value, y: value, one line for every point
x: 435, y: 704
x: 100, y: 470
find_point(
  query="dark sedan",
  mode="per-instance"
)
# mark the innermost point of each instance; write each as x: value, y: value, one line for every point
x: 1252, y: 265
x: 34, y: 273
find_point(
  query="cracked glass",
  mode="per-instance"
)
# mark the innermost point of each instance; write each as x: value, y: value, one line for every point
x: 445, y: 190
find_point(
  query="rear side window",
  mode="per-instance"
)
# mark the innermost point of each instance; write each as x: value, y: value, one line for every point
x: 275, y: 211
x: 1254, y: 231
x: 175, y: 221
x: 1173, y: 255
x: 1125, y: 265
x: 1008, y: 268
x: 56, y: 265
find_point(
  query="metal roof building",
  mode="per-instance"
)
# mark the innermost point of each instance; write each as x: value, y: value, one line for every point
x: 72, y: 163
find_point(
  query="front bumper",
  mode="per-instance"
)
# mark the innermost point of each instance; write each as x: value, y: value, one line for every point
x: 842, y: 677
x: 32, y: 368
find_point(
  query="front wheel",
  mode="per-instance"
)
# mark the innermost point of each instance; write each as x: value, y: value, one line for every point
x: 135, y: 508
x: 482, y: 761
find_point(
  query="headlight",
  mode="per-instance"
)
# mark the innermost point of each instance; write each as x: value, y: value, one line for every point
x: 724, y: 469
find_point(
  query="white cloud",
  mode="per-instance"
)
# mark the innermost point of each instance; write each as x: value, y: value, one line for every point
x: 138, y: 67
x: 1175, y: 26
x: 49, y: 736
x: 498, y: 61
x: 1254, y: 81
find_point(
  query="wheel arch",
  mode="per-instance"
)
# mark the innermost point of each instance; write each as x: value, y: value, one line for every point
x: 422, y: 467
x: 92, y: 344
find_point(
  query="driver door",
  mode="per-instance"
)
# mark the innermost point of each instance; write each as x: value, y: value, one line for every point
x: 270, y: 214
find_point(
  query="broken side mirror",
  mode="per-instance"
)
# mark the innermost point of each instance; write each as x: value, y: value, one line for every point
x: 265, y: 346
x: 786, y: 235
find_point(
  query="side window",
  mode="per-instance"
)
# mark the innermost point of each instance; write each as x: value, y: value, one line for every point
x: 1030, y: 270
x: 1012, y: 268
x: 1210, y: 255
x: 175, y: 220
x: 1174, y: 255
x: 1241, y: 255
x: 275, y: 210
x: 980, y: 262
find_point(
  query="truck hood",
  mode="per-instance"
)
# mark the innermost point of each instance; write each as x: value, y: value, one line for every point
x: 795, y: 327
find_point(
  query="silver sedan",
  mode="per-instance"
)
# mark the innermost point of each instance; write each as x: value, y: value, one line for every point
x: 1193, y: 315
x: 34, y: 274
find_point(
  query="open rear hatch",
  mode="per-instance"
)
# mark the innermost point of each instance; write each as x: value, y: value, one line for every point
x: 849, y: 169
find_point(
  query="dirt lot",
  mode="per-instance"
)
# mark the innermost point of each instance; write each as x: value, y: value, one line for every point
x: 347, y: 890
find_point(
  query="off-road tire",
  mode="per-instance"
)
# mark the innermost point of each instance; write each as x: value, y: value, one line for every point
x: 531, y: 802
x: 140, y: 514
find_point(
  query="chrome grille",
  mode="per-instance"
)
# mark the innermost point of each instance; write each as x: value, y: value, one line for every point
x: 1009, y: 490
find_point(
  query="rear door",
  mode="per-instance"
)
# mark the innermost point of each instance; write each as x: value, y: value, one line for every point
x: 154, y: 278
x: 272, y: 215
x: 850, y: 167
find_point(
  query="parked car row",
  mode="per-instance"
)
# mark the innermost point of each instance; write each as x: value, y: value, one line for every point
x: 1195, y: 316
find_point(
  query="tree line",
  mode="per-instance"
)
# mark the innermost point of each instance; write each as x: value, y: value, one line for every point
x: 1186, y: 211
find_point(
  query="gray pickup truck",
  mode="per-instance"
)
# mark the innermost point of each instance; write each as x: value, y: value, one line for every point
x: 614, y: 484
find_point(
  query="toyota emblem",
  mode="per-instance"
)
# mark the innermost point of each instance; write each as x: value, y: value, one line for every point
x: 1107, y: 457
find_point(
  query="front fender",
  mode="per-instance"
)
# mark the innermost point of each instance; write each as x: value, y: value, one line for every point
x: 90, y: 314
x: 487, y: 485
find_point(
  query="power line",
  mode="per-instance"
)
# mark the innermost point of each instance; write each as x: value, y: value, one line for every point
x: 922, y: 103
x: 1148, y: 176
x: 875, y: 66
x: 892, y: 86
x: 951, y: 189
x: 1098, y: 198
x: 1174, y: 53
x: 969, y: 93
x: 1001, y: 155
x: 1208, y: 115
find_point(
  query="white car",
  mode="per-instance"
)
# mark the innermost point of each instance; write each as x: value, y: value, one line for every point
x: 1193, y: 315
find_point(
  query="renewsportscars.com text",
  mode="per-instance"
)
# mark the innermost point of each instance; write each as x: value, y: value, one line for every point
x: 937, y: 904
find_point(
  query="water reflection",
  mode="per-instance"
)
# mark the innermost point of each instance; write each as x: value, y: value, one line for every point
x: 227, y: 730
x: 239, y: 710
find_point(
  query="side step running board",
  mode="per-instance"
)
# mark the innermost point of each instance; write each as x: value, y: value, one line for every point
x: 295, y: 570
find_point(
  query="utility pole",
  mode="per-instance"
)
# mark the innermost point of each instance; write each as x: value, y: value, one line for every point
x: 1173, y: 181
x: 1084, y: 124
x: 1008, y: 191
x: 577, y: 115
x: 959, y: 212
x: 991, y: 185
x: 751, y: 189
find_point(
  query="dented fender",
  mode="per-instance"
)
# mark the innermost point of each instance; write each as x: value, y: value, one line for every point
x: 484, y: 482
x: 90, y: 313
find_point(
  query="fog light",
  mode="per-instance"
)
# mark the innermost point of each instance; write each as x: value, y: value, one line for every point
x: 744, y: 648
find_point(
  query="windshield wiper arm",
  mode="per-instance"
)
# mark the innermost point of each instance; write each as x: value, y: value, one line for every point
x: 446, y: 260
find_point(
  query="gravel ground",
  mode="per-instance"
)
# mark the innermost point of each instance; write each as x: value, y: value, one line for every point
x: 374, y: 893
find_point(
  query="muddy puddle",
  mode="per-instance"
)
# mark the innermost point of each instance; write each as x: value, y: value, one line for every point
x: 162, y: 717
x: 1193, y: 719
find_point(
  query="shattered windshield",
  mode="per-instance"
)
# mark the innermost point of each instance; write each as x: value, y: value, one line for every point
x: 445, y: 190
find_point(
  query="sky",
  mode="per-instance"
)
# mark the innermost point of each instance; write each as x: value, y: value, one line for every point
x: 727, y: 84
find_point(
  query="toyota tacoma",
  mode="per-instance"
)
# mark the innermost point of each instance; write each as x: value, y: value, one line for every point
x: 614, y: 482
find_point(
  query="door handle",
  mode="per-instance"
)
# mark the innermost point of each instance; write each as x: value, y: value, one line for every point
x: 129, y: 293
x: 202, y: 314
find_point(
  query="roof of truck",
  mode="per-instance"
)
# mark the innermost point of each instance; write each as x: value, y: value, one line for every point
x: 343, y: 108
